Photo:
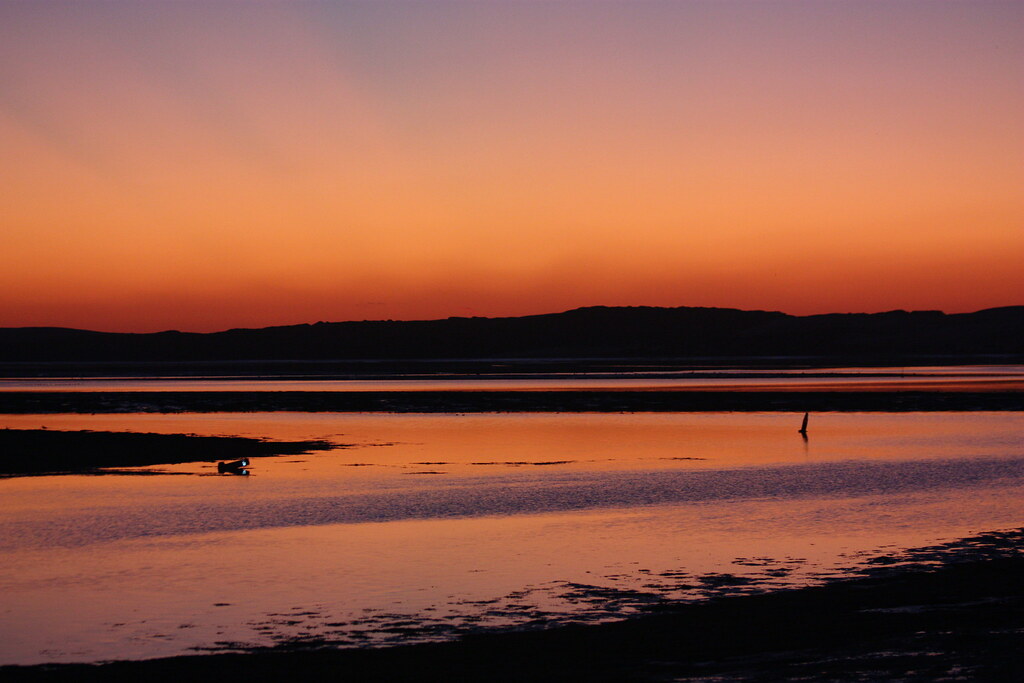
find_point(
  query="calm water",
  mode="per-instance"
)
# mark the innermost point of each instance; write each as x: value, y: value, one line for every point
x: 428, y: 526
x: 951, y: 378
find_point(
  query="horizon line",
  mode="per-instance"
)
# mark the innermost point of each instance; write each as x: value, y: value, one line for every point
x: 507, y: 317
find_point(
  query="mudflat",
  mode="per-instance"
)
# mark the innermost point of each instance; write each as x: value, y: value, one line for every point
x: 950, y: 612
x: 41, y: 451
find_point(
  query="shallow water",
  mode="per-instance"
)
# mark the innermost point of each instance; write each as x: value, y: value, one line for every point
x: 920, y: 378
x: 427, y: 526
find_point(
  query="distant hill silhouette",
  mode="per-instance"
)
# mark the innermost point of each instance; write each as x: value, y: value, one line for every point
x: 593, y: 332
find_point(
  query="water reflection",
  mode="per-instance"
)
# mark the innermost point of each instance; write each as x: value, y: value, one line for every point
x: 434, y: 525
x: 921, y: 378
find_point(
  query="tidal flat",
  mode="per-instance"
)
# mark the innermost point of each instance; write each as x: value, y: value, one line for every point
x: 39, y: 451
x: 511, y: 386
x: 948, y: 612
x: 447, y: 531
x: 507, y: 545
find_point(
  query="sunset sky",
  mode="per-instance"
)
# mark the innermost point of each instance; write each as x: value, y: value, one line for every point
x: 206, y: 165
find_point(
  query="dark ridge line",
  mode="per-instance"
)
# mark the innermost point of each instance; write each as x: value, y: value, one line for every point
x: 594, y: 332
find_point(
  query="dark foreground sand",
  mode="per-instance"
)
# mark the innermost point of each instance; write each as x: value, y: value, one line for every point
x: 953, y: 612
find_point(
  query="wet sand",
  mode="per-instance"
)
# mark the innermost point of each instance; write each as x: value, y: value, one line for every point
x: 39, y: 451
x: 888, y: 400
x: 950, y: 612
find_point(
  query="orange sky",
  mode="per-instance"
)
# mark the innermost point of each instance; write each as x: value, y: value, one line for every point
x: 200, y: 166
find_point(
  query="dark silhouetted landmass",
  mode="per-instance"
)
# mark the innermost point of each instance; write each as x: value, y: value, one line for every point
x: 595, y: 332
x: 40, y: 451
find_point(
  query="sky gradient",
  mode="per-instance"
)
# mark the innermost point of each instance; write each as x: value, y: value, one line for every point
x: 200, y: 166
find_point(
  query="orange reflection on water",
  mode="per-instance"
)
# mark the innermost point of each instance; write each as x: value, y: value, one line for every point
x: 955, y: 378
x: 392, y: 445
x: 161, y: 596
x: 518, y: 512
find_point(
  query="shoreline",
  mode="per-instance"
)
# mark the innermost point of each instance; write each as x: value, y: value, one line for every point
x: 954, y: 610
x: 471, y: 401
x: 32, y: 452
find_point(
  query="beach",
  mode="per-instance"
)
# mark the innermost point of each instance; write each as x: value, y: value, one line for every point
x: 515, y: 545
x: 953, y: 612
